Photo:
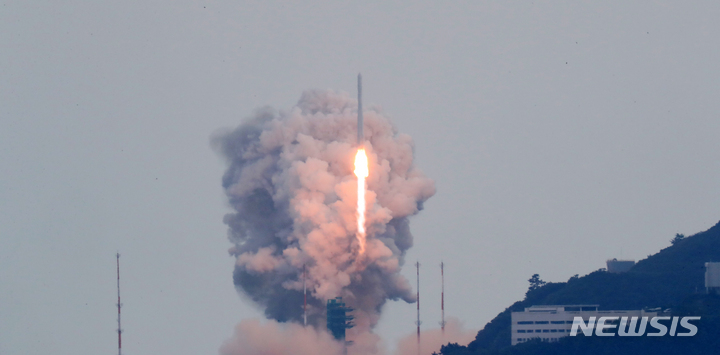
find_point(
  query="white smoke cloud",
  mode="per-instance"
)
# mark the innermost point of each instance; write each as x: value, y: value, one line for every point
x: 290, y: 181
x: 253, y: 337
x: 431, y: 340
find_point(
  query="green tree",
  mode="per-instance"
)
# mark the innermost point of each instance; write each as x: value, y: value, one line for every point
x: 535, y: 282
x: 678, y: 237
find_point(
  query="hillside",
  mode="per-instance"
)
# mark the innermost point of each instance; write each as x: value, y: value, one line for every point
x: 672, y: 278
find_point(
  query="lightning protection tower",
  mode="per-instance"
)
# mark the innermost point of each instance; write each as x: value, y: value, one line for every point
x: 442, y: 297
x: 119, y: 305
x: 418, y: 322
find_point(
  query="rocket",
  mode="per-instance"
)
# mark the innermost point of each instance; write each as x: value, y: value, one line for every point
x: 360, y: 134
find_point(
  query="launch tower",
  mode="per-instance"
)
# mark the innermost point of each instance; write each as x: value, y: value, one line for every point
x: 338, y: 319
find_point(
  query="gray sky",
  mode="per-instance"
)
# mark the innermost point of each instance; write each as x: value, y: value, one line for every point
x: 559, y: 135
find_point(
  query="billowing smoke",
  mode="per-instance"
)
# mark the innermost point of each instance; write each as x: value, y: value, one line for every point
x: 253, y: 337
x: 290, y: 181
x: 432, y: 339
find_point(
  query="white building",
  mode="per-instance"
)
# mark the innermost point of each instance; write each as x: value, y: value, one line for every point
x: 619, y: 266
x: 551, y: 323
x: 712, y: 277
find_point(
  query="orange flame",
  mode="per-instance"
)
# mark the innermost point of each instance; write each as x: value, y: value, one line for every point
x: 361, y: 171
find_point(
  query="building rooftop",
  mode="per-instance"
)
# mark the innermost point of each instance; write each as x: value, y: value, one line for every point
x: 563, y: 307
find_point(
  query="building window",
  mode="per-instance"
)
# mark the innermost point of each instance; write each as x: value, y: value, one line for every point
x: 553, y: 330
x: 521, y: 331
x: 526, y: 322
x: 561, y: 330
x: 568, y: 322
x: 541, y: 322
x: 557, y: 322
x: 546, y: 330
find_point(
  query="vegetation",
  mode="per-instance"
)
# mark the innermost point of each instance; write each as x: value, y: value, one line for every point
x: 535, y: 283
x: 678, y: 237
x: 671, y: 279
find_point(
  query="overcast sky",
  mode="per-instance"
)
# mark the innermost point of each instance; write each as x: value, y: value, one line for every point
x: 559, y: 134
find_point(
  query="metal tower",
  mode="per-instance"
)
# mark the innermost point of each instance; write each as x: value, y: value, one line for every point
x: 119, y: 329
x: 442, y: 297
x: 338, y: 319
x: 304, y: 297
x: 418, y: 322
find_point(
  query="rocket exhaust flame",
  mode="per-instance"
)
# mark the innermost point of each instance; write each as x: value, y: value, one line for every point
x: 361, y: 171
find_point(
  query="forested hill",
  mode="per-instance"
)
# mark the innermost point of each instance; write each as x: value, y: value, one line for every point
x: 672, y: 278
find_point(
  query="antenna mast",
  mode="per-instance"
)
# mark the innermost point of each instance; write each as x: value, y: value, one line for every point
x: 442, y: 297
x: 119, y: 330
x: 418, y: 322
x: 304, y: 298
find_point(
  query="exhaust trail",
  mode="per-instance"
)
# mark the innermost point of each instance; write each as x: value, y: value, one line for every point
x: 361, y: 171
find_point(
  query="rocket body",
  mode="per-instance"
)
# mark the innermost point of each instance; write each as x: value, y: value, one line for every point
x: 360, y: 125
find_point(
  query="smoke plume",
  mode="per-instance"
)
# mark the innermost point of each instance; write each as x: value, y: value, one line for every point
x: 432, y: 339
x: 290, y: 182
x: 272, y: 338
